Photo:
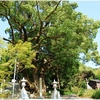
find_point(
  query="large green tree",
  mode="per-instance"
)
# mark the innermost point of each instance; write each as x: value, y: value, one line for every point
x: 57, y: 32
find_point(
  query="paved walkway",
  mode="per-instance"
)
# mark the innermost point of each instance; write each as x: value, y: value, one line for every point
x: 74, y: 97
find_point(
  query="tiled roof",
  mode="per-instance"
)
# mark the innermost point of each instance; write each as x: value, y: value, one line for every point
x: 95, y: 80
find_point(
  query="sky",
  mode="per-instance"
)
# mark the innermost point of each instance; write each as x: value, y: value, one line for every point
x: 87, y: 7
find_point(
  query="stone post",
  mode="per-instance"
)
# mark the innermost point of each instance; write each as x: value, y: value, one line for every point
x: 40, y: 86
x: 40, y: 89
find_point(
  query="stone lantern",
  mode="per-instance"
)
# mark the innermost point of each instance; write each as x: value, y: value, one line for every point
x: 24, y: 94
x: 55, y: 94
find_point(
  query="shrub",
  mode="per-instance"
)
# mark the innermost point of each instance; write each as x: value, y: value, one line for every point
x: 88, y: 93
x: 65, y: 91
x: 75, y: 89
x: 96, y: 95
x: 78, y: 91
x: 61, y: 91
x: 4, y: 95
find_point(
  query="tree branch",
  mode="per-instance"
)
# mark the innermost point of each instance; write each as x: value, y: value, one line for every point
x: 52, y: 11
x: 6, y: 16
x: 38, y: 10
x: 8, y: 40
x: 12, y: 32
x: 25, y: 34
x: 50, y: 37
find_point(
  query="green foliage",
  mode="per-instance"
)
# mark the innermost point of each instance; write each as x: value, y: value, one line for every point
x: 78, y: 91
x: 52, y: 31
x: 97, y: 77
x: 2, y: 45
x: 96, y: 95
x: 68, y: 92
x: 97, y: 73
x: 87, y: 72
x: 88, y: 93
x: 22, y: 52
x: 78, y: 83
x: 5, y: 95
x: 3, y: 66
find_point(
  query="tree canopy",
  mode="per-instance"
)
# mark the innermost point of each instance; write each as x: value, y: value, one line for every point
x: 57, y: 33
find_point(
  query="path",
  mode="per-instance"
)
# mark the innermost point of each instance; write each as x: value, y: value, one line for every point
x: 74, y: 97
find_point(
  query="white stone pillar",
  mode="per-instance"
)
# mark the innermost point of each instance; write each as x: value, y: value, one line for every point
x: 40, y: 86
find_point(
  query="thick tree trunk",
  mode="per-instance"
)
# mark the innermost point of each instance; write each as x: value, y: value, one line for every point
x: 25, y: 74
x: 36, y: 80
x: 35, y: 77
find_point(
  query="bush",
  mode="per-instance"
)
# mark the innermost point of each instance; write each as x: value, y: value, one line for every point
x: 65, y: 92
x: 68, y: 92
x: 61, y: 91
x: 88, y: 93
x: 75, y: 89
x: 78, y: 91
x: 96, y: 95
x: 5, y: 94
